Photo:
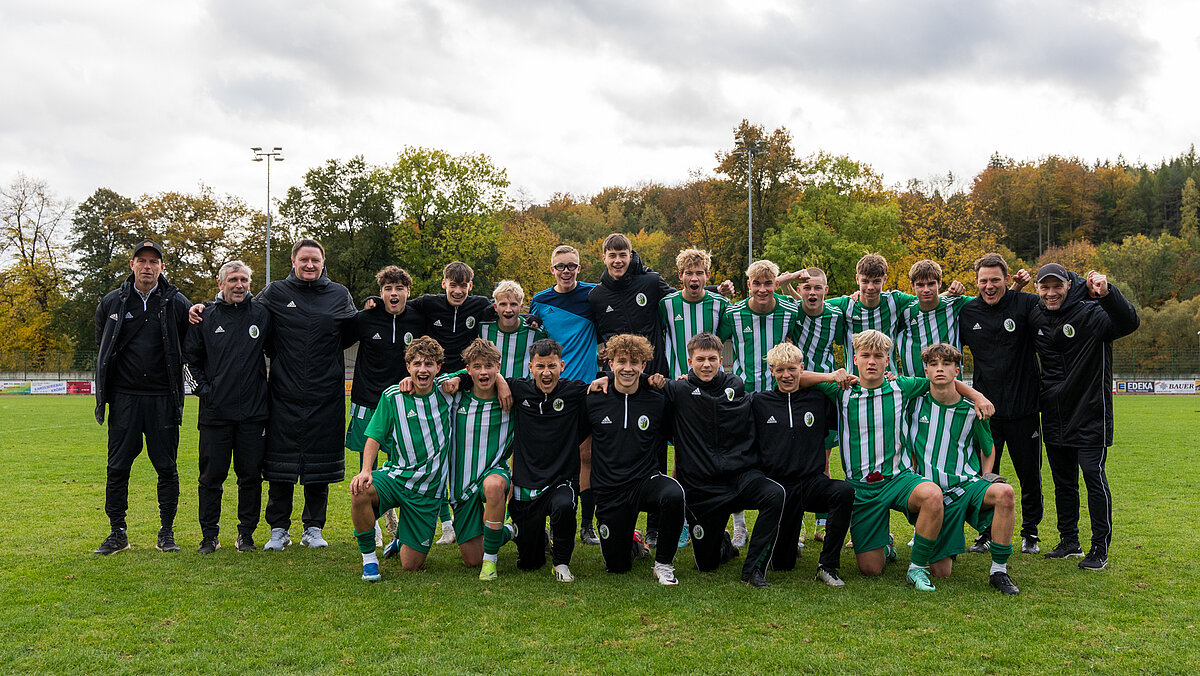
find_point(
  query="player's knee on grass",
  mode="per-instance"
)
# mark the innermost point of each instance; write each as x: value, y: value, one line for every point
x: 942, y: 567
x: 871, y: 563
x: 411, y: 559
x: 472, y: 551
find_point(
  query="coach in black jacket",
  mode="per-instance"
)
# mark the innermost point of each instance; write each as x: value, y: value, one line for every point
x: 1074, y: 343
x: 139, y: 329
x: 227, y: 370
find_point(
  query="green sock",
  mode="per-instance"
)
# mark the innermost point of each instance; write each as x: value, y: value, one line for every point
x: 494, y: 539
x: 1000, y: 553
x: 444, y: 514
x: 366, y: 541
x: 921, y: 551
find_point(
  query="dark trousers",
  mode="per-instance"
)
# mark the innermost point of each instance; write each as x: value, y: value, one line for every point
x: 558, y: 504
x: 817, y: 493
x: 754, y: 491
x: 616, y: 516
x: 1024, y: 440
x: 244, y: 444
x: 652, y: 517
x: 279, y: 504
x: 131, y: 417
x: 1066, y: 462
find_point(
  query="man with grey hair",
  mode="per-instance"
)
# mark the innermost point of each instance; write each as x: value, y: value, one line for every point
x: 226, y: 367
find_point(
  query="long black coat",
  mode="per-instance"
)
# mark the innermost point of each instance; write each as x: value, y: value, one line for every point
x: 306, y: 430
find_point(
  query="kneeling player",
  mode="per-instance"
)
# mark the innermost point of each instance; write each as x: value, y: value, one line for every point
x: 414, y: 479
x: 630, y: 424
x: 941, y: 429
x: 791, y: 426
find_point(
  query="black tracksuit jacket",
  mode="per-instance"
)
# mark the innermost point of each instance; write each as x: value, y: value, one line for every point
x: 790, y: 432
x: 713, y: 435
x: 624, y: 454
x: 548, y: 431
x: 453, y: 327
x: 226, y: 362
x: 630, y: 305
x: 382, y: 339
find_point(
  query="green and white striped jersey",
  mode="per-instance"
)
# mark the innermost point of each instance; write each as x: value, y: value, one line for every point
x: 941, y: 440
x: 816, y: 336
x: 871, y: 426
x: 681, y: 319
x: 418, y: 428
x: 753, y: 334
x: 859, y: 318
x: 514, y: 347
x: 482, y: 441
x: 917, y: 329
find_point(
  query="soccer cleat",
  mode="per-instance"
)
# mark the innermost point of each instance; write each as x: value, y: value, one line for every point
x: 563, y: 574
x: 244, y: 543
x: 392, y: 549
x: 1003, y: 583
x: 640, y: 550
x: 312, y: 538
x: 1066, y: 549
x: 684, y: 537
x: 1096, y: 559
x: 664, y: 574
x: 279, y: 539
x: 919, y: 578
x: 370, y: 572
x: 740, y: 535
x: 549, y: 541
x: 488, y: 572
x: 982, y: 544
x: 587, y: 535
x: 889, y: 550
x: 378, y: 536
x: 755, y: 578
x: 819, y: 533
x: 800, y: 545
x: 208, y: 545
x: 728, y: 551
x: 166, y: 540
x: 447, y: 534
x: 117, y: 541
x: 1029, y: 545
x: 652, y: 538
x: 829, y: 576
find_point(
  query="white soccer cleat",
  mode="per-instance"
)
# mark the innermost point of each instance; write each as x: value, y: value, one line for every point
x: 378, y: 536
x: 563, y: 574
x: 447, y: 534
x: 740, y: 535
x: 664, y: 573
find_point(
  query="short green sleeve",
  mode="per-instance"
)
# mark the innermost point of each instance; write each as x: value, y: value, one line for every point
x: 725, y: 325
x: 383, y: 420
x: 911, y: 388
x: 959, y: 302
x: 831, y: 390
x: 983, y: 436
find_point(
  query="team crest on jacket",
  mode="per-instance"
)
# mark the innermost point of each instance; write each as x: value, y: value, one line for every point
x: 558, y: 404
x: 1068, y: 330
x: 1010, y: 325
x: 809, y: 418
x: 254, y: 330
x: 603, y: 531
x: 470, y: 322
x: 729, y: 393
x: 641, y: 299
x: 643, y: 423
x: 698, y: 532
x: 408, y: 338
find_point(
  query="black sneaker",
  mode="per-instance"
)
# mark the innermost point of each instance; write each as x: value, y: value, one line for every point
x: 1096, y: 559
x: 755, y: 578
x: 117, y: 541
x: 982, y: 544
x: 208, y: 544
x: 166, y: 540
x: 1029, y: 545
x: 728, y: 551
x: 245, y: 542
x: 1066, y: 549
x: 587, y: 535
x: 652, y: 538
x: 1003, y: 583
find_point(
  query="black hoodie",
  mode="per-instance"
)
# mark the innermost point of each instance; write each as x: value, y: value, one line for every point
x: 630, y: 305
x: 382, y: 339
x: 790, y: 431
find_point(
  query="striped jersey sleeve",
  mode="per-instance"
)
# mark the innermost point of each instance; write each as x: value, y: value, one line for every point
x: 917, y: 329
x: 681, y: 319
x: 482, y: 441
x: 753, y: 334
x: 419, y: 429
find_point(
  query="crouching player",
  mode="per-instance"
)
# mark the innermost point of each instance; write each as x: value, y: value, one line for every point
x: 413, y: 481
x: 942, y: 431
x: 791, y: 427
x: 630, y: 425
x: 871, y: 426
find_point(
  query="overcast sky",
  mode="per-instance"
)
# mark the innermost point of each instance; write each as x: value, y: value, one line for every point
x: 144, y: 97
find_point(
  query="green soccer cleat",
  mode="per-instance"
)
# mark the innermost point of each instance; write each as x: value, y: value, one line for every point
x: 919, y: 579
x: 488, y: 572
x: 889, y: 550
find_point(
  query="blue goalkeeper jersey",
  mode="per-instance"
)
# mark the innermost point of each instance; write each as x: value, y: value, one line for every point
x: 567, y: 317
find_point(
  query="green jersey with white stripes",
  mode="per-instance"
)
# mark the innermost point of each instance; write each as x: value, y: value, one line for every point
x: 859, y: 318
x: 917, y: 329
x: 482, y: 441
x: 871, y: 427
x: 514, y: 346
x: 418, y: 429
x: 941, y: 440
x: 681, y: 319
x: 753, y: 334
x: 816, y: 336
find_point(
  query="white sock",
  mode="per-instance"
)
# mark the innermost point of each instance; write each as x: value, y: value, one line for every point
x: 447, y: 525
x: 998, y: 568
x: 739, y: 519
x: 911, y: 566
x: 491, y: 557
x: 369, y: 557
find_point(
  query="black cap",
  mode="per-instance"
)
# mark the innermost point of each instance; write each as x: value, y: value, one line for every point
x: 147, y: 244
x: 1051, y: 270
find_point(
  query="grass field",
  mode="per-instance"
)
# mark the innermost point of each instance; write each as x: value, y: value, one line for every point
x: 63, y: 609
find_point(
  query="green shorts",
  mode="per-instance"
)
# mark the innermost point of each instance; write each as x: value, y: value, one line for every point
x: 468, y: 515
x: 417, y: 514
x: 872, y: 503
x: 831, y: 439
x: 964, y: 504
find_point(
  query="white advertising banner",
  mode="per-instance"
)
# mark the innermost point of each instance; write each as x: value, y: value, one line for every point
x: 1175, y: 387
x: 48, y: 387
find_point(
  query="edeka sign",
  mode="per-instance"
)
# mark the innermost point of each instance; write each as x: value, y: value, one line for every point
x: 1134, y: 387
x: 1174, y: 387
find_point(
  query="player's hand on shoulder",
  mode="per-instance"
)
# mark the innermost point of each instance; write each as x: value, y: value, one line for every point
x: 194, y: 313
x: 369, y: 304
x: 406, y: 385
x: 984, y: 408
x: 448, y: 386
x: 956, y: 289
x: 658, y: 380
x: 844, y: 379
x: 889, y: 376
x: 504, y: 392
x: 599, y: 385
x: 726, y: 289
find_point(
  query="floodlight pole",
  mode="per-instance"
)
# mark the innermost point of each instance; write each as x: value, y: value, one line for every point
x: 276, y: 154
x: 749, y: 149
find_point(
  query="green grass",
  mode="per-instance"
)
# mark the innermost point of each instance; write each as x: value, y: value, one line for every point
x: 63, y: 609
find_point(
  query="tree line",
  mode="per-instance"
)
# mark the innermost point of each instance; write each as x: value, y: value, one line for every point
x: 1135, y: 221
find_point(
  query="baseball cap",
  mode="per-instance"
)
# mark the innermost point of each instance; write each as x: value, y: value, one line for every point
x: 1051, y: 270
x: 147, y: 244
